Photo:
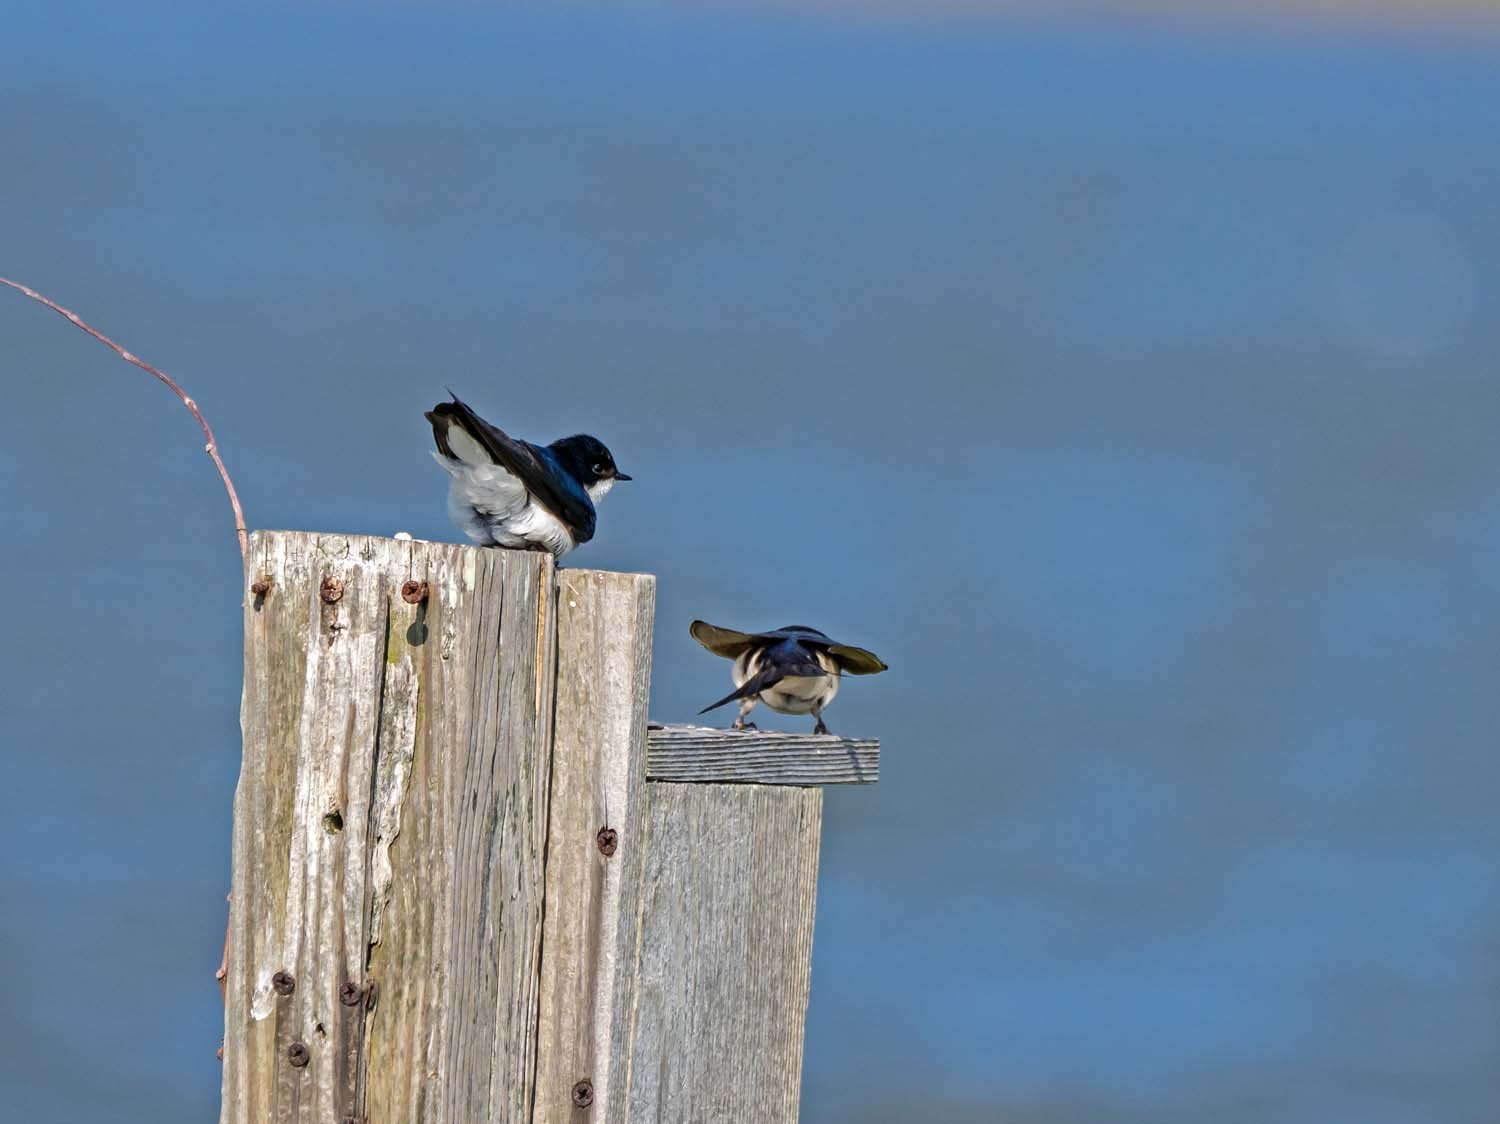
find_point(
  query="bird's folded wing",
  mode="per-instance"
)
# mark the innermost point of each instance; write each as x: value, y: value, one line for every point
x: 533, y: 466
x: 560, y: 494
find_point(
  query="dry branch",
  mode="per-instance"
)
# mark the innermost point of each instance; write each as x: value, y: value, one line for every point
x: 211, y: 447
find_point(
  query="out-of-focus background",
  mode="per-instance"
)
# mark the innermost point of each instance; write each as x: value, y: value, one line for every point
x: 1125, y: 375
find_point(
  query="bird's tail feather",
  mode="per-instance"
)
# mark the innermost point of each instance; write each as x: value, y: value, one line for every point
x: 765, y: 677
x: 752, y: 686
x: 453, y: 431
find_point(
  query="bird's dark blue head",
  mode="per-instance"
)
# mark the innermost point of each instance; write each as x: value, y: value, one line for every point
x: 586, y: 459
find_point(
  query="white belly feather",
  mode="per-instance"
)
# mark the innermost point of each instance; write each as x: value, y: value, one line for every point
x: 801, y: 694
x: 493, y: 508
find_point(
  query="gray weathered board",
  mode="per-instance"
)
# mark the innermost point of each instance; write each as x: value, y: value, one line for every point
x: 389, y: 833
x: 598, y: 785
x: 470, y: 886
x: 725, y: 952
x: 697, y: 753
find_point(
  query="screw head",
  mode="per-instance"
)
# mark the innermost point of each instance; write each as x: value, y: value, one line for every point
x: 350, y: 993
x: 331, y: 589
x: 283, y: 983
x: 608, y: 841
x: 298, y: 1054
x: 583, y: 1093
x: 414, y: 592
x: 261, y: 586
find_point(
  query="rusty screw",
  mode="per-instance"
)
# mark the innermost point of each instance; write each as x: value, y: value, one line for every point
x: 331, y: 589
x: 298, y: 1054
x: 414, y: 592
x: 583, y: 1093
x: 350, y: 993
x: 261, y: 586
x: 608, y: 840
x: 283, y: 983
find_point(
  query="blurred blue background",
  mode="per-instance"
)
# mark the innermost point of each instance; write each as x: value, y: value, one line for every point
x: 1128, y: 383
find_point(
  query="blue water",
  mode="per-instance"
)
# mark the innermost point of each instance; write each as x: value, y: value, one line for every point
x: 1129, y: 387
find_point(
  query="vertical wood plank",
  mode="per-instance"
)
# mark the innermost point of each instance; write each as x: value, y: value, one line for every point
x: 725, y: 951
x: 389, y: 833
x: 598, y: 774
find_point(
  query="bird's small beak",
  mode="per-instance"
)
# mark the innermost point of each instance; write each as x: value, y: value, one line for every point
x: 621, y: 476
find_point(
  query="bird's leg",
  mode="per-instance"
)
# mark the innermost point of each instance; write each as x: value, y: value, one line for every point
x: 821, y: 727
x: 746, y: 706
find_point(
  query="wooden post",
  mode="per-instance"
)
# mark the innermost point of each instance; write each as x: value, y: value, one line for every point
x: 470, y: 886
x: 596, y: 844
x: 389, y: 831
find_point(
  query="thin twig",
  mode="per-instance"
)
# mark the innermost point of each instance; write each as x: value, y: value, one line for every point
x: 211, y: 448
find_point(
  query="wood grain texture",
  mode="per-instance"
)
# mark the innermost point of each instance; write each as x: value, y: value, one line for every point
x: 389, y: 833
x: 703, y: 754
x: 725, y: 951
x: 598, y: 781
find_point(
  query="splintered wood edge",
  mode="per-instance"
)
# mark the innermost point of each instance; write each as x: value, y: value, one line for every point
x: 701, y: 754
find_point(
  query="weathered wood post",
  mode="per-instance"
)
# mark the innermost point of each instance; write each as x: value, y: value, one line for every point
x: 469, y: 886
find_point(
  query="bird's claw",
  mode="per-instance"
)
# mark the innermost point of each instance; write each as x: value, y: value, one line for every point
x: 744, y: 726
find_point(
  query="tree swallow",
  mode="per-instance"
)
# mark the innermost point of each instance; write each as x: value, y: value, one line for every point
x: 513, y: 493
x: 794, y: 670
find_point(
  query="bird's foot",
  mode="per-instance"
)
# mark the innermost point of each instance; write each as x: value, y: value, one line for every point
x: 741, y: 724
x: 821, y: 728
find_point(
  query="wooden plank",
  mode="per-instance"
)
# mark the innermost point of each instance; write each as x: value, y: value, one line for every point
x: 725, y: 951
x: 702, y: 754
x: 598, y: 778
x: 389, y: 829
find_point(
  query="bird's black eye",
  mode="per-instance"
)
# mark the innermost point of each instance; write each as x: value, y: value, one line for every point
x: 601, y: 469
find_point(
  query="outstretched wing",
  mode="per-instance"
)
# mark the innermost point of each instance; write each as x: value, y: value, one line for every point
x: 855, y: 661
x: 731, y: 644
x: 463, y: 435
x: 724, y: 642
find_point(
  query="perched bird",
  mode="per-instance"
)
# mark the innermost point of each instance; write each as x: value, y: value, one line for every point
x: 513, y: 493
x: 794, y: 670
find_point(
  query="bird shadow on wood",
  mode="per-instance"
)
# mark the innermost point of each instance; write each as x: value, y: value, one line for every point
x: 858, y: 770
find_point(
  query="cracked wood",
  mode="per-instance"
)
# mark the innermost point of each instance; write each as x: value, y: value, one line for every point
x: 389, y: 832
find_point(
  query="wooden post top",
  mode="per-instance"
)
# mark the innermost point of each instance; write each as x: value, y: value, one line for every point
x: 703, y: 755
